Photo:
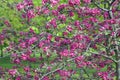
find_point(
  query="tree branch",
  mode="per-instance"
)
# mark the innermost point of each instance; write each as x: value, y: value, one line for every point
x: 50, y: 72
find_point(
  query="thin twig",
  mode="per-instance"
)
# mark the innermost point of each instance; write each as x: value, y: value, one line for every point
x: 50, y: 72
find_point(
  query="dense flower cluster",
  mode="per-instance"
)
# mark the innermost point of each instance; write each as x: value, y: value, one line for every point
x: 77, y: 36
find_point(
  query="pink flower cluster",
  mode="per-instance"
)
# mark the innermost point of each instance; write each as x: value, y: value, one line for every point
x: 73, y: 35
x: 105, y: 75
x: 12, y: 72
x: 74, y: 2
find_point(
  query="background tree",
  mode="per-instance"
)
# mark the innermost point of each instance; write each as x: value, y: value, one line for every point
x: 75, y: 39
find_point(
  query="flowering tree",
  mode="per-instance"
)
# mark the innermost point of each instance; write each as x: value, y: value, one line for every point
x: 77, y: 39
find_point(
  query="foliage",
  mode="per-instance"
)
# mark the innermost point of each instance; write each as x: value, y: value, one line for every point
x: 73, y: 39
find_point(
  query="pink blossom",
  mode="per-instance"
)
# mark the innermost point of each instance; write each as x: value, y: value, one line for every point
x: 41, y: 58
x: 72, y: 54
x: 81, y: 64
x: 79, y: 37
x: 69, y: 28
x: 49, y: 37
x: 17, y: 61
x: 64, y: 73
x: 31, y: 30
x: 27, y: 69
x: 14, y: 55
x: 2, y: 37
x: 28, y: 2
x: 102, y: 64
x: 57, y: 38
x: 30, y: 14
x: 29, y: 75
x: 81, y: 45
x: 105, y: 15
x: 104, y: 27
x: 87, y: 1
x: 22, y: 45
x: 62, y: 18
x: 46, y: 78
x: 74, y: 2
x: 64, y: 53
x: 55, y: 12
x: 77, y: 23
x: 7, y: 23
x: 60, y: 7
x: 80, y: 61
x: 36, y: 77
x: 71, y: 14
x: 24, y: 15
x: 32, y: 40
x: 45, y: 49
x: 24, y: 56
x: 71, y: 2
x: 12, y: 72
x: 92, y: 19
x: 54, y: 2
x: 18, y: 78
x: 49, y: 68
x: 22, y: 33
x: 20, y: 6
x: 41, y: 44
x: 44, y: 1
x: 79, y: 58
x: 53, y: 23
x: 88, y: 63
x: 74, y: 46
x: 46, y: 11
x: 104, y: 75
x: 32, y: 59
x: 112, y: 21
x: 47, y: 26
x: 95, y: 11
x: 29, y: 52
x: 65, y: 33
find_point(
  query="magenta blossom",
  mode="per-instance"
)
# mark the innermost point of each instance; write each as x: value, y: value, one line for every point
x: 87, y: 1
x: 44, y: 1
x: 24, y: 56
x: 62, y: 18
x: 54, y: 2
x: 41, y: 44
x: 12, y: 72
x: 20, y: 6
x: 46, y: 78
x: 74, y: 2
x: 64, y: 73
x: 64, y: 53
x: 26, y: 69
x: 32, y: 40
x: 53, y: 23
x: 55, y: 12
x: 22, y: 45
x: 69, y: 28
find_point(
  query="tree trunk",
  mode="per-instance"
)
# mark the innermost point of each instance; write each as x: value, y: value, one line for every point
x: 1, y: 51
x: 117, y: 64
x: 118, y: 71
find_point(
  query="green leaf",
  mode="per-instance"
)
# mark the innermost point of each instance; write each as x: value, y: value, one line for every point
x: 61, y: 26
x: 93, y: 50
x: 35, y: 29
x: 87, y: 53
x: 59, y: 34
